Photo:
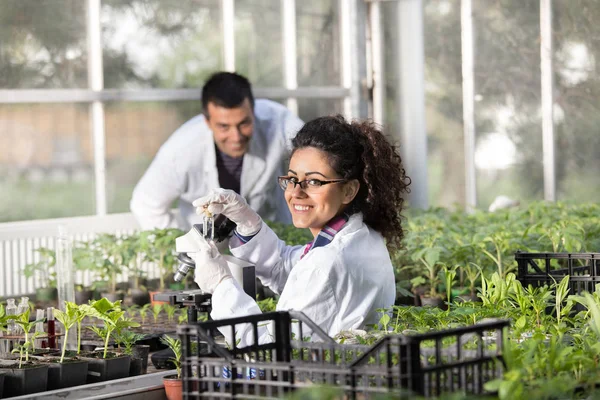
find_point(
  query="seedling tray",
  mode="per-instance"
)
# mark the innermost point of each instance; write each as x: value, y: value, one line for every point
x: 457, y: 360
x: 538, y: 269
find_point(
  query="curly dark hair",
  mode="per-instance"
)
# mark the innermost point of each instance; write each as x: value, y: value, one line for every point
x: 359, y: 150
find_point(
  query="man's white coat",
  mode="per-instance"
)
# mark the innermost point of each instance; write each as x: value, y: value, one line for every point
x: 185, y: 169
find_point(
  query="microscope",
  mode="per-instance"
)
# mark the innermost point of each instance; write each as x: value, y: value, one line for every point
x: 219, y: 229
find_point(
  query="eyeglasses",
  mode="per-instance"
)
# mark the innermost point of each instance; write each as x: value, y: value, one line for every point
x: 308, y: 185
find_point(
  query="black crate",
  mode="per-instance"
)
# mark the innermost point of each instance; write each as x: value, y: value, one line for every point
x: 538, y: 269
x: 460, y: 359
x: 430, y: 364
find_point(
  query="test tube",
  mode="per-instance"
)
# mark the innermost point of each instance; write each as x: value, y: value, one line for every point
x: 208, y: 226
x: 51, y: 328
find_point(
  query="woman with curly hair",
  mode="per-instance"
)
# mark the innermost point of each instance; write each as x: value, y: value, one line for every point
x: 346, y: 184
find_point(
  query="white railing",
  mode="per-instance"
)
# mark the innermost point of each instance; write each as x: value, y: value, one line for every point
x: 19, y: 241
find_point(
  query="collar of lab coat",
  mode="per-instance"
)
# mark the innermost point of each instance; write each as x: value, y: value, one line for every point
x: 326, y: 235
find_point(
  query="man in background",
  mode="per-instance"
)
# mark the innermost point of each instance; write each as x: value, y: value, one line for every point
x: 237, y: 143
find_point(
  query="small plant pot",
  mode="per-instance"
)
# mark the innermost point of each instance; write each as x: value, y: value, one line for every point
x: 142, y: 351
x: 46, y: 295
x: 104, y: 369
x: 468, y: 297
x: 1, y: 382
x: 135, y: 367
x: 112, y: 297
x: 138, y: 297
x: 32, y: 378
x: 155, y: 302
x: 83, y: 296
x: 432, y: 301
x: 69, y: 373
x: 173, y: 387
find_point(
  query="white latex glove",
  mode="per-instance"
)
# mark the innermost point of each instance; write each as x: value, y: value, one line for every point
x: 211, y: 267
x: 233, y: 206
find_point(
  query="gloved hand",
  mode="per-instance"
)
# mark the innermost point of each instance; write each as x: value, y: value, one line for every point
x: 233, y: 206
x: 211, y: 267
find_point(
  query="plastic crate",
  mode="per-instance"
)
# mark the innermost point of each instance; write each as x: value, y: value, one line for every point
x: 461, y: 359
x: 454, y: 360
x: 538, y: 269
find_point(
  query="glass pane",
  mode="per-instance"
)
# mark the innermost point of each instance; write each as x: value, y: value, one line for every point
x: 508, y: 153
x: 443, y: 103
x: 160, y: 43
x: 577, y: 99
x: 47, y: 165
x: 318, y: 43
x: 258, y: 41
x: 312, y: 108
x: 134, y: 133
x: 43, y: 44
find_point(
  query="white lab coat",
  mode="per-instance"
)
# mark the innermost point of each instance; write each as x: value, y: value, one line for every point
x: 185, y: 169
x: 339, y: 286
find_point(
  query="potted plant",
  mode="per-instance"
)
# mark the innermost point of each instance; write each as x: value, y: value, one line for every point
x: 44, y: 270
x: 173, y: 383
x: 129, y: 258
x: 449, y: 276
x: 158, y: 246
x: 429, y: 276
x: 24, y: 377
x: 107, y: 365
x: 108, y: 265
x: 472, y: 273
x: 66, y: 372
x: 126, y: 340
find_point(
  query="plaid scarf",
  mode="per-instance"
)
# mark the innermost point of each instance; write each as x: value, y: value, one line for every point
x: 326, y: 234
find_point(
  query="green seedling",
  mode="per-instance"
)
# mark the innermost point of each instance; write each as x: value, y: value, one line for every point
x: 25, y: 347
x: 23, y: 321
x: 158, y: 246
x: 127, y: 339
x: 156, y: 309
x: 68, y: 318
x: 175, y: 346
x: 449, y: 275
x: 111, y: 314
x: 143, y: 311
x: 170, y: 310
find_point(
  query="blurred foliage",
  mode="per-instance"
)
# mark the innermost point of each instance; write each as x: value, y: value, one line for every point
x: 490, y: 240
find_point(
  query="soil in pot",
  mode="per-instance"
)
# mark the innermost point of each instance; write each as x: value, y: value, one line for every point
x: 173, y: 387
x: 114, y: 366
x: 31, y: 378
x: 44, y: 352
